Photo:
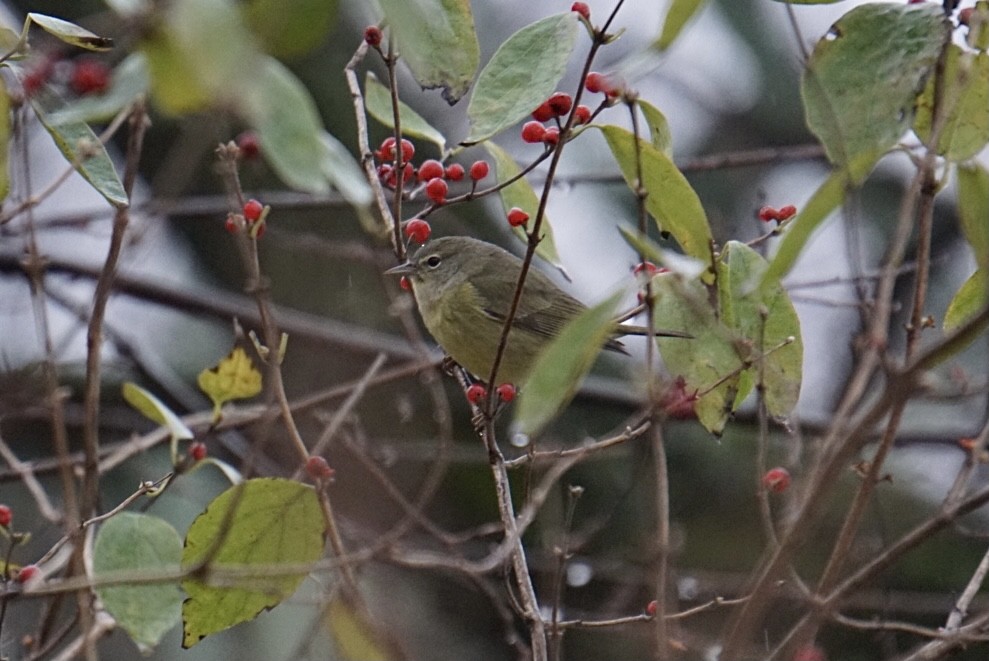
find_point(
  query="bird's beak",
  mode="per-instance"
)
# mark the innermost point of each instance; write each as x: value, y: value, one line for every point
x: 408, y: 268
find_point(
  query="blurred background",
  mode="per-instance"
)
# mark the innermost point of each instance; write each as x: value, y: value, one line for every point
x: 729, y: 87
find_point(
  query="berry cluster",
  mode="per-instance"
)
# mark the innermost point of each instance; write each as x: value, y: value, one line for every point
x: 557, y: 106
x: 83, y: 77
x: 433, y: 176
x: 767, y: 214
x: 476, y: 393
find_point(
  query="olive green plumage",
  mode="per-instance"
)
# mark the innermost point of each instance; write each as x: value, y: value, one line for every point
x: 464, y: 288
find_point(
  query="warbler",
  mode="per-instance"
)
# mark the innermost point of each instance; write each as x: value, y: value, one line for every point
x: 464, y: 289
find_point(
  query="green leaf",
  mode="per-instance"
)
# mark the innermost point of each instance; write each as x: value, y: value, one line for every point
x: 521, y: 74
x: 671, y: 201
x: 800, y: 228
x: 289, y: 128
x: 273, y: 522
x: 862, y: 79
x: 677, y: 16
x: 744, y: 297
x: 965, y: 94
x: 973, y: 209
x: 437, y: 41
x: 674, y: 261
x: 70, y: 33
x: 130, y: 79
x: 290, y: 29
x: 341, y: 169
x: 520, y: 194
x: 560, y: 367
x: 710, y: 362
x: 377, y: 100
x: 139, y: 543
x: 82, y: 148
x: 353, y: 638
x: 809, y: 2
x: 969, y: 299
x: 155, y: 410
x: 201, y: 54
x: 659, y: 128
x: 4, y: 140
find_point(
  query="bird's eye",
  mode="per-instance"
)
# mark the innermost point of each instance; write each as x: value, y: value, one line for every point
x: 433, y: 261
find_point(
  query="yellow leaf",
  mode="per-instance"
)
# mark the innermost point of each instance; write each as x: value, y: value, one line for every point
x: 233, y: 378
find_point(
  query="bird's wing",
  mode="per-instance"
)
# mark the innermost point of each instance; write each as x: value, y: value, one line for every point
x: 544, y: 309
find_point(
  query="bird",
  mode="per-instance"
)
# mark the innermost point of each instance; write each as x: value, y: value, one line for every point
x: 464, y: 289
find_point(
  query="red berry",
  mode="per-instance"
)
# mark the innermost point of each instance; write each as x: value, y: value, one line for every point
x: 595, y: 82
x: 645, y: 267
x: 408, y: 150
x: 231, y: 224
x: 372, y: 35
x: 197, y: 451
x: 430, y: 170
x: 479, y: 170
x: 651, y: 608
x: 405, y: 283
x: 533, y: 132
x: 318, y: 469
x: 582, y: 9
x: 506, y: 392
x: 552, y: 136
x: 387, y: 149
x: 560, y: 104
x: 249, y: 145
x: 517, y: 217
x: 767, y: 214
x: 418, y: 230
x: 964, y: 16
x: 436, y: 190
x: 455, y: 172
x: 582, y: 114
x: 776, y: 479
x: 90, y: 77
x: 252, y: 210
x: 787, y: 212
x: 408, y: 172
x: 26, y: 573
x: 6, y: 516
x: 543, y: 113
x: 475, y: 393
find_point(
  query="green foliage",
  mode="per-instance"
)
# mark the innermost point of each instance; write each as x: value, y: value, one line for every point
x: 752, y: 335
x: 260, y: 524
x: 659, y: 128
x: 965, y: 101
x: 671, y: 200
x: 677, y: 17
x: 426, y: 28
x: 67, y: 32
x: 82, y: 148
x: 560, y: 367
x: 290, y: 29
x: 155, y: 410
x: 234, y: 377
x: 973, y: 209
x: 520, y: 194
x: 860, y: 85
x: 139, y: 543
x: 522, y: 73
x: 377, y: 99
